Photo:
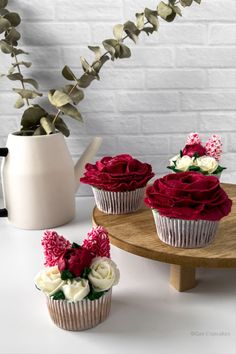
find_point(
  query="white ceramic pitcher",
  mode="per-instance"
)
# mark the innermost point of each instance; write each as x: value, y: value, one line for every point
x: 39, y: 180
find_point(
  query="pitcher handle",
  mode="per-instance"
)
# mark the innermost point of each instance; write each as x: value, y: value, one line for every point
x: 3, y: 153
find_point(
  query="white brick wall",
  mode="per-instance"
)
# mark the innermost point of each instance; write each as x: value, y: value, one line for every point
x: 180, y: 80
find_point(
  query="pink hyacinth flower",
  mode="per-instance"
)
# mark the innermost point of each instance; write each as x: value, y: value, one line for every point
x: 54, y: 246
x: 97, y: 242
x: 193, y: 138
x: 214, y: 147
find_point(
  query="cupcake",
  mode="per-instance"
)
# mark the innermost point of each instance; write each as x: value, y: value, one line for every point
x: 77, y: 280
x: 187, y: 208
x: 118, y: 183
x: 197, y: 157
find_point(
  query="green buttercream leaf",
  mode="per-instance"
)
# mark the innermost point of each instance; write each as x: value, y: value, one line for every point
x: 85, y: 273
x: 75, y: 245
x: 59, y: 295
x: 66, y: 274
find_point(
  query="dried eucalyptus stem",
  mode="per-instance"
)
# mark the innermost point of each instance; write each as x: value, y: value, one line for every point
x: 35, y: 119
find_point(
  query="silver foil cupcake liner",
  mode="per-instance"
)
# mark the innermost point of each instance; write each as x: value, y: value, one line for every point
x: 185, y: 233
x: 80, y: 315
x: 119, y: 202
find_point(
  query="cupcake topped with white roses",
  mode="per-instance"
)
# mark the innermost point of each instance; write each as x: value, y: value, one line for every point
x: 198, y: 157
x: 75, y: 276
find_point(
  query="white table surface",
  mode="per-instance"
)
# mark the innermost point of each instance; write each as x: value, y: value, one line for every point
x: 147, y: 317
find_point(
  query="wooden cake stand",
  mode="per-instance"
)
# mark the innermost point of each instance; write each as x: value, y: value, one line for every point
x: 136, y: 233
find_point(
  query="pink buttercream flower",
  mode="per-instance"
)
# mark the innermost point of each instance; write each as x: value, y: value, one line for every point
x: 193, y: 138
x: 97, y: 242
x: 54, y: 246
x: 214, y: 146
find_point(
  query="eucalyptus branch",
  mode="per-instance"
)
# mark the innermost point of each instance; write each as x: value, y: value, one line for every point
x: 76, y: 84
x: 9, y: 45
x: 19, y: 71
x: 35, y: 118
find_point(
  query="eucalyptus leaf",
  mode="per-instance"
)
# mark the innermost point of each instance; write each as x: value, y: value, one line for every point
x: 15, y: 77
x: 32, y: 82
x: 151, y: 16
x: 24, y: 63
x: 97, y: 51
x: 186, y: 2
x: 68, y: 73
x: 99, y: 63
x: 110, y: 46
x: 148, y: 30
x: 19, y: 103
x: 166, y: 12
x: 39, y: 131
x: 3, y: 3
x: 13, y: 18
x: 62, y: 127
x: 19, y: 51
x: 28, y: 94
x: 13, y: 36
x: 5, y: 47
x: 118, y: 32
x: 198, y: 1
x: 58, y: 98
x: 124, y: 52
x: 177, y: 10
x: 75, y: 94
x: 3, y: 12
x: 32, y: 116
x: 85, y: 80
x: 131, y: 30
x: 47, y: 125
x: 140, y: 18
x: 86, y: 67
x: 4, y: 24
x: 71, y: 111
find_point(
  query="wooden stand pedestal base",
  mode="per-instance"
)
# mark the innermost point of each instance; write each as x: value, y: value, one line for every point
x: 136, y: 233
x: 182, y: 278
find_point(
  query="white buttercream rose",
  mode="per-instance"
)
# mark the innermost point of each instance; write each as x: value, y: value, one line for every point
x: 207, y: 164
x: 104, y: 274
x: 76, y: 289
x: 183, y: 163
x: 49, y: 280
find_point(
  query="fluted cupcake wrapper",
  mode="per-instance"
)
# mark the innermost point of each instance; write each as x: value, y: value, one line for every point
x: 119, y: 202
x: 80, y: 315
x: 185, y: 233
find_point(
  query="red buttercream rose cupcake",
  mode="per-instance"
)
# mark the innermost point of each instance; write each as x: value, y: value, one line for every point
x: 187, y: 208
x: 118, y: 183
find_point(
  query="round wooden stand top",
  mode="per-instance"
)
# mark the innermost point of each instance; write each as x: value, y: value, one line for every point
x: 136, y: 233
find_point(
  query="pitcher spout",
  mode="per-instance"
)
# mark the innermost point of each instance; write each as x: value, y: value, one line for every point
x: 87, y: 156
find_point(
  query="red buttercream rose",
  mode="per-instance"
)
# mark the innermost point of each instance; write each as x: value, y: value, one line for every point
x: 119, y: 173
x: 189, y: 196
x: 75, y: 260
x: 193, y: 149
